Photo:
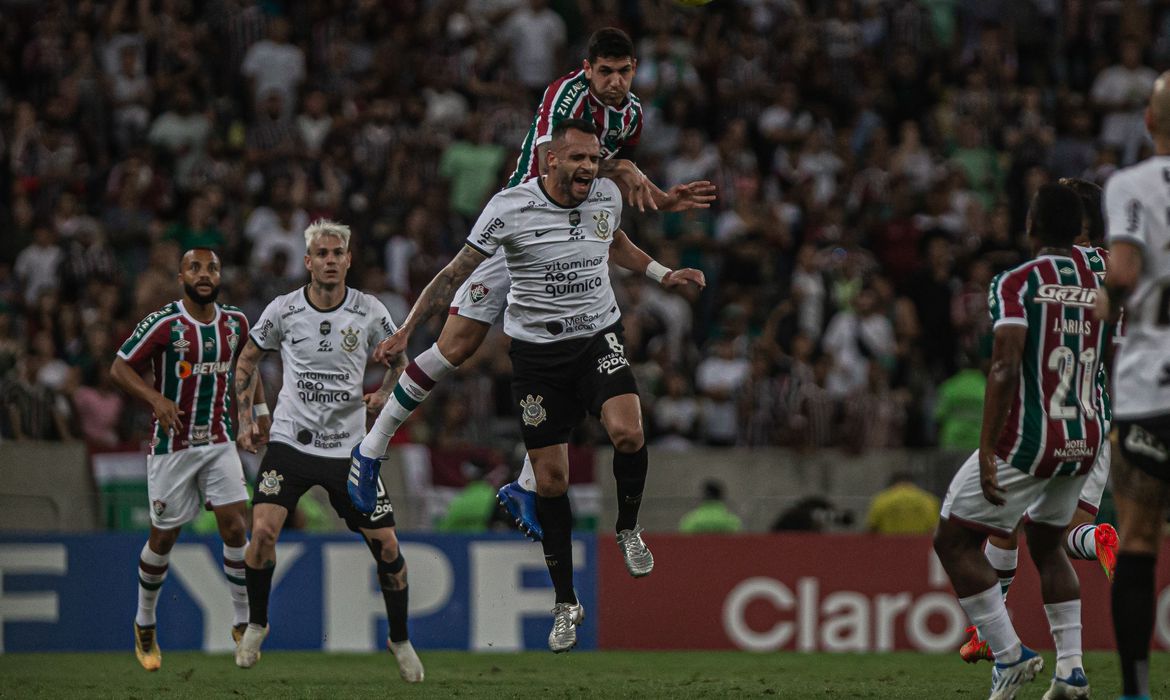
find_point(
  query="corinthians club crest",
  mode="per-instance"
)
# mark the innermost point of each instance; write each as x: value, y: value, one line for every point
x: 270, y: 482
x: 349, y: 339
x: 532, y: 410
x: 602, y: 219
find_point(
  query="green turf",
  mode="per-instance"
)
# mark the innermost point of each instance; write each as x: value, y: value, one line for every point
x: 612, y: 675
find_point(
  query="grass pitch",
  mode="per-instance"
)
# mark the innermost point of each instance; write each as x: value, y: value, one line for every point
x: 675, y: 675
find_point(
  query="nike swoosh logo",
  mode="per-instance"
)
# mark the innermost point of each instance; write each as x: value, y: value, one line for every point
x: 538, y: 234
x: 297, y: 340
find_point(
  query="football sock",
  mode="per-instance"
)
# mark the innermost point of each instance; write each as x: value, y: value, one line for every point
x: 396, y: 598
x: 990, y: 616
x: 1004, y: 561
x: 1133, y: 619
x: 556, y: 515
x: 152, y: 570
x: 527, y: 478
x: 233, y: 569
x: 629, y: 470
x: 1081, y: 541
x: 259, y: 582
x: 1064, y: 619
x: 413, y: 387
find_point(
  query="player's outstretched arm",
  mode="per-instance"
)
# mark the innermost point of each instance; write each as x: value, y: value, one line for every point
x: 625, y: 253
x: 249, y: 388
x: 636, y: 188
x: 130, y: 381
x: 1002, y: 383
x: 435, y: 298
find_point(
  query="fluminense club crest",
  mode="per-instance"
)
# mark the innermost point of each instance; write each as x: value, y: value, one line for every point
x: 478, y: 292
x: 532, y: 410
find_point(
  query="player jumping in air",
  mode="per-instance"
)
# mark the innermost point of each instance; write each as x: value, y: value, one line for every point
x: 599, y: 94
x: 191, y: 347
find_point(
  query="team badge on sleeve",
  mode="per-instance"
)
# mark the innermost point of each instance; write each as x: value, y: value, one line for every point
x: 349, y: 339
x: 602, y: 219
x: 159, y: 506
x: 270, y: 482
x: 478, y: 292
x: 533, y: 412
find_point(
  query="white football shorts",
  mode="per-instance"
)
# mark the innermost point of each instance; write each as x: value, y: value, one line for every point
x: 1091, y: 492
x: 180, y: 482
x: 484, y: 295
x: 1050, y: 501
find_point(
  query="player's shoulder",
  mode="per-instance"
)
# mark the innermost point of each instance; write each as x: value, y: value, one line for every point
x: 295, y: 298
x: 166, y: 311
x: 362, y: 303
x: 232, y: 309
x: 1139, y: 174
x: 605, y: 191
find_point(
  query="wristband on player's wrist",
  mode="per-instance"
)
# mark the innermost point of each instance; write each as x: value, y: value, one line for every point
x: 657, y: 271
x: 259, y: 410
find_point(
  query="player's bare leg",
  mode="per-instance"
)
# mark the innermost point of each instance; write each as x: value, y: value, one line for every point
x: 152, y: 571
x: 458, y: 341
x: 551, y: 465
x: 1061, y: 592
x: 977, y: 587
x: 259, y: 562
x: 231, y: 519
x: 383, y: 544
x: 622, y: 418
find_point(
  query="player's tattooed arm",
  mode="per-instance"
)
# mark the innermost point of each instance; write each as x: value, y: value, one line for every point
x: 1003, y: 381
x: 248, y: 389
x: 435, y: 298
x: 376, y: 400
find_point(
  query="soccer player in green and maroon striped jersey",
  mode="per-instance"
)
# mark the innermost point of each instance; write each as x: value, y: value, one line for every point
x: 1045, y: 418
x: 190, y: 346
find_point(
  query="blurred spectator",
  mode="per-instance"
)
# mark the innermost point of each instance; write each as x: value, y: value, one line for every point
x: 99, y: 409
x: 959, y: 409
x: 535, y: 37
x: 712, y: 515
x: 197, y: 230
x: 855, y: 338
x: 38, y: 266
x: 812, y: 514
x: 1120, y: 93
x: 472, y: 165
x: 718, y: 378
x: 902, y: 508
x: 675, y: 415
x: 181, y: 132
x: 33, y: 411
x: 275, y: 66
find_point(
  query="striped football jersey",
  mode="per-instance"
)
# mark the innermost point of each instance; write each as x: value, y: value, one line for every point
x: 194, y: 366
x: 1060, y: 415
x: 568, y: 97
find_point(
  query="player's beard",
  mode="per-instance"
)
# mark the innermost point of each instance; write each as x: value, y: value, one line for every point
x: 198, y: 298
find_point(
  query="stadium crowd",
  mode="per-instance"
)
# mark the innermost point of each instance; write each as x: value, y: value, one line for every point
x: 874, y: 160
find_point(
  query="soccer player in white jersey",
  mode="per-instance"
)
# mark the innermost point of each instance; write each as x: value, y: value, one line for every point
x: 324, y: 332
x: 1084, y: 539
x: 190, y: 346
x: 1045, y: 417
x: 1137, y: 200
x: 599, y: 94
x: 556, y: 234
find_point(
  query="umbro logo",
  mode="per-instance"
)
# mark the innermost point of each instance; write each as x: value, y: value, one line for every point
x: 297, y: 340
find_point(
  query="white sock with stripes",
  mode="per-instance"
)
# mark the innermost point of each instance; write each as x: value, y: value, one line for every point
x: 1004, y: 561
x: 1082, y: 541
x: 412, y: 389
x: 152, y: 571
x: 233, y: 569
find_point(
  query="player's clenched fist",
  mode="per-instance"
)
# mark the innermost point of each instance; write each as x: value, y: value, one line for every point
x: 392, y: 346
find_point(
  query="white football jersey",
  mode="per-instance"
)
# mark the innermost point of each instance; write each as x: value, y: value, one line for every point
x: 1137, y: 209
x: 557, y: 258
x: 325, y: 352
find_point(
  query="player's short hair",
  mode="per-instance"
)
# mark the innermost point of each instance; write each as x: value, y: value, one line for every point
x: 183, y: 255
x: 1090, y: 194
x: 325, y: 227
x: 609, y: 42
x: 1055, y: 215
x: 564, y: 127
